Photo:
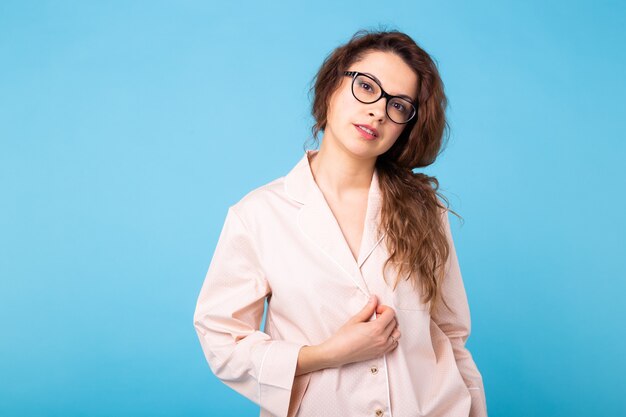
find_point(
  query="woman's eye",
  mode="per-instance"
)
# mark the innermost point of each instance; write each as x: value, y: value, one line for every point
x: 366, y: 86
x: 399, y: 107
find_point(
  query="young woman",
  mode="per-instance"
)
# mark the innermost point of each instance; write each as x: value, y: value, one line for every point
x: 367, y: 313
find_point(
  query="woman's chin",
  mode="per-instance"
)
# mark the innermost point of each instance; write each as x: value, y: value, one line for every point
x: 362, y: 150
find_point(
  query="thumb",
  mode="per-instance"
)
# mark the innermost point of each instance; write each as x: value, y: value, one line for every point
x: 367, y: 311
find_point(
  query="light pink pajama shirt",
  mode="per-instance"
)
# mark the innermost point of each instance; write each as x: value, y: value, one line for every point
x: 283, y: 242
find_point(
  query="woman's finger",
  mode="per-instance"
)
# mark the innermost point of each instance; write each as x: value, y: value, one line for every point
x: 396, y: 334
x: 389, y: 328
x: 392, y: 343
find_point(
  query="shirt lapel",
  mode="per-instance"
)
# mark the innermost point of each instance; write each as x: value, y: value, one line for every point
x: 370, y: 239
x: 317, y: 222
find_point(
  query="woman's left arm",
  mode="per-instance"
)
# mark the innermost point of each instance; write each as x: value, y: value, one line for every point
x: 457, y: 326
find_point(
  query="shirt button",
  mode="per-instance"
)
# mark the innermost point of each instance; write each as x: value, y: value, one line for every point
x: 374, y: 371
x: 379, y: 412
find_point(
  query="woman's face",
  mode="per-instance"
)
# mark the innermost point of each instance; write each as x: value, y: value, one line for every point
x: 345, y: 112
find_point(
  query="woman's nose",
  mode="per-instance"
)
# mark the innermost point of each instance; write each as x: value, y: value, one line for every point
x: 378, y: 109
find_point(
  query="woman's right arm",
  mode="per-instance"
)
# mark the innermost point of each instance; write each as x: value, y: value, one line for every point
x: 227, y: 320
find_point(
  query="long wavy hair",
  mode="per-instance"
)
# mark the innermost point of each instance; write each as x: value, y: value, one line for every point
x: 411, y: 213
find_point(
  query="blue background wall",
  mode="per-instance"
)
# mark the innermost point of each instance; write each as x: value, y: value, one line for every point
x: 121, y: 147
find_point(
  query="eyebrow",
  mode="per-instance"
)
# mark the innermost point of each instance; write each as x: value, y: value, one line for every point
x: 399, y: 95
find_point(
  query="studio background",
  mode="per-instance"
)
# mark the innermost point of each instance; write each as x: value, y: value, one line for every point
x: 128, y: 128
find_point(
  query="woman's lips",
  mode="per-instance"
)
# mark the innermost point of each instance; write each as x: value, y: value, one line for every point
x: 364, y: 134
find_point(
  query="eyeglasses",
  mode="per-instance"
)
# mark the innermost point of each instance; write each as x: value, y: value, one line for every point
x: 368, y: 90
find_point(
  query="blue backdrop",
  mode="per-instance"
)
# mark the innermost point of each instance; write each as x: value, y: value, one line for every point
x: 123, y: 142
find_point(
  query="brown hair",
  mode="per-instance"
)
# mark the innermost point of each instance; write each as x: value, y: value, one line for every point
x: 411, y: 212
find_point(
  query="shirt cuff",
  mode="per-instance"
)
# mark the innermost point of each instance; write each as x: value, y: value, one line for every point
x: 276, y: 376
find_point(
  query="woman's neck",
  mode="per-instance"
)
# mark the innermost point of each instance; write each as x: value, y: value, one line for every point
x: 339, y: 174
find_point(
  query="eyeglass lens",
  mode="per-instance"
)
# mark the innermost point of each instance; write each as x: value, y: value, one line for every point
x: 367, y: 90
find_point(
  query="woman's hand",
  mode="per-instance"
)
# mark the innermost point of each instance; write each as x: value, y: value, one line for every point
x: 360, y: 339
x: 357, y: 340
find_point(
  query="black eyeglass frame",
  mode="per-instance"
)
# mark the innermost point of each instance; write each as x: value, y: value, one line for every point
x: 383, y: 93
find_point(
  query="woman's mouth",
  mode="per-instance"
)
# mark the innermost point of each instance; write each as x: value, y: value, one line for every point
x: 366, y: 133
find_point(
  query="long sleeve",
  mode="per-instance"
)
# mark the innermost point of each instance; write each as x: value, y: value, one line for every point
x: 227, y: 320
x: 457, y: 326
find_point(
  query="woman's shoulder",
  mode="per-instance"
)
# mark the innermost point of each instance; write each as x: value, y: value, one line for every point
x: 269, y: 190
x: 263, y: 202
